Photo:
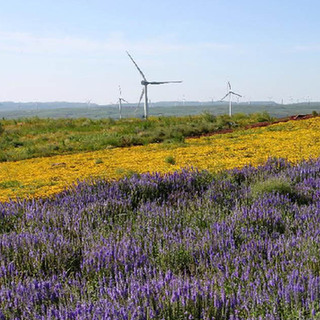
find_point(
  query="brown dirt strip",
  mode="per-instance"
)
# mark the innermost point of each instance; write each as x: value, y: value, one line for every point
x: 258, y: 125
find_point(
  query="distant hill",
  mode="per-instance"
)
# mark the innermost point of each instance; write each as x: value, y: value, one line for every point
x: 11, y: 110
x: 14, y: 106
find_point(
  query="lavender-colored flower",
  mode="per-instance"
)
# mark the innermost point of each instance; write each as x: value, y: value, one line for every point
x: 182, y: 245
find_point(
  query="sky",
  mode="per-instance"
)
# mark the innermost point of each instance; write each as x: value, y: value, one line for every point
x: 75, y: 50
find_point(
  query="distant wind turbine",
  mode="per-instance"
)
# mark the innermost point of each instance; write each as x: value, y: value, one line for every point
x: 183, y: 100
x: 145, y: 83
x: 120, y: 102
x: 88, y: 103
x: 230, y: 93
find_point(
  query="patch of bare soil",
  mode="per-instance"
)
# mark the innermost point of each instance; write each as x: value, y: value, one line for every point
x: 260, y: 124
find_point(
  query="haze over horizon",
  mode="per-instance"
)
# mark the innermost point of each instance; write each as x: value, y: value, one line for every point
x: 75, y: 50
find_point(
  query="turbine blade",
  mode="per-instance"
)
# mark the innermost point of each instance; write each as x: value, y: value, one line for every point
x: 236, y: 94
x: 143, y: 76
x: 225, y: 96
x: 120, y: 91
x: 164, y: 82
x: 124, y: 100
x: 141, y: 96
x: 229, y: 85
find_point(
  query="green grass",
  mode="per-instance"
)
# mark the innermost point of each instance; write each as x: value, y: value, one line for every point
x: 34, y: 137
x: 274, y: 184
x: 10, y: 184
x: 170, y: 160
x: 278, y: 185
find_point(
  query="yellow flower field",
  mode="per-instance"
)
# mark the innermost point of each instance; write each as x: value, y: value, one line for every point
x: 39, y: 177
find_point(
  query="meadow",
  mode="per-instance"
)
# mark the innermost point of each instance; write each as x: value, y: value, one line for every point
x: 242, y: 244
x: 46, y: 176
x: 34, y: 137
x: 224, y: 226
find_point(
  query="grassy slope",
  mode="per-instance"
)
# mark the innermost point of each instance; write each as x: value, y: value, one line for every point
x: 34, y: 137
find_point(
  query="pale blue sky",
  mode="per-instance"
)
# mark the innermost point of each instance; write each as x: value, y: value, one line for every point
x: 54, y: 50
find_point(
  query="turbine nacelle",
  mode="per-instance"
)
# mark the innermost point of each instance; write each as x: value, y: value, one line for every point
x: 145, y: 83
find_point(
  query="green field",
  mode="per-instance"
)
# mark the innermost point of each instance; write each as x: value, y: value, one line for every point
x: 80, y: 110
x: 36, y: 137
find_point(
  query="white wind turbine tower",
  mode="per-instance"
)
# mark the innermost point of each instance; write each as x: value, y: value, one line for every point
x: 145, y: 83
x: 183, y: 100
x: 230, y: 93
x: 88, y: 103
x: 120, y: 102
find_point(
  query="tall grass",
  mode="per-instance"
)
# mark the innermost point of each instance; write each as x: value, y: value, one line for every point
x: 35, y: 137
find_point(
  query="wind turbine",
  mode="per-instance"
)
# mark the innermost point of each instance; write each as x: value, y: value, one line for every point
x: 183, y: 100
x: 145, y: 83
x: 88, y: 103
x: 120, y: 102
x: 230, y: 93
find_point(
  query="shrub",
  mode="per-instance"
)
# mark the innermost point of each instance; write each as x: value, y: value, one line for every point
x: 1, y: 128
x: 275, y: 184
x: 175, y: 136
x: 208, y: 117
x: 3, y: 156
x: 223, y: 122
x: 315, y: 113
x: 264, y: 117
x: 146, y: 124
x: 279, y: 185
x: 239, y: 116
x: 170, y: 160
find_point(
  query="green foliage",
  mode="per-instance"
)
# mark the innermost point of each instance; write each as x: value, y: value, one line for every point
x: 10, y: 184
x: 179, y: 260
x: 275, y: 184
x: 3, y: 156
x: 170, y: 160
x: 1, y: 128
x: 315, y: 113
x: 209, y: 117
x: 127, y: 173
x: 34, y: 137
x: 264, y: 117
x: 225, y: 122
x: 239, y: 116
x: 279, y: 185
